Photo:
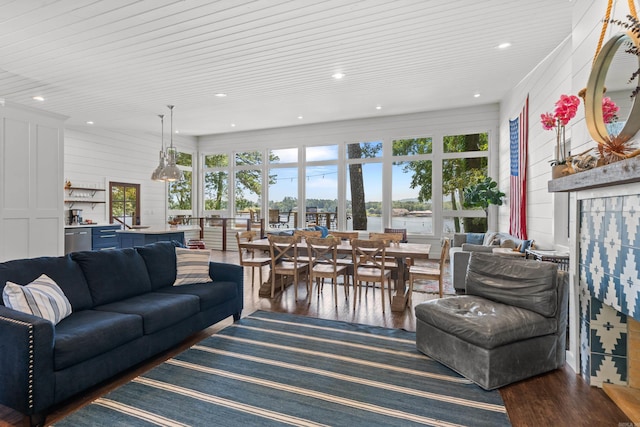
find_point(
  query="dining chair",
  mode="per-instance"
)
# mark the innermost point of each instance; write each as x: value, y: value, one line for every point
x: 304, y: 234
x: 418, y: 272
x: 323, y: 253
x: 285, y: 261
x: 369, y: 265
x: 345, y: 235
x: 389, y: 239
x: 248, y: 256
x: 402, y: 231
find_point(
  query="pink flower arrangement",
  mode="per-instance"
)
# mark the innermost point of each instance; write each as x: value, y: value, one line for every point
x: 609, y: 110
x: 566, y: 109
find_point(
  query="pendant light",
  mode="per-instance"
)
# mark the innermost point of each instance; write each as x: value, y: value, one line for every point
x: 157, y: 173
x: 171, y: 172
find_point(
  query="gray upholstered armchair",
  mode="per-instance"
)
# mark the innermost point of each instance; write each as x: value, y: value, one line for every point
x: 510, y: 325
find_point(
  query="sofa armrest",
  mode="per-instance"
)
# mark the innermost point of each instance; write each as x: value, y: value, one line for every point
x: 225, y: 272
x: 26, y: 361
x: 459, y: 261
x: 470, y: 247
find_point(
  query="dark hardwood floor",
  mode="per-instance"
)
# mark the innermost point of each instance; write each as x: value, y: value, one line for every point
x: 559, y: 398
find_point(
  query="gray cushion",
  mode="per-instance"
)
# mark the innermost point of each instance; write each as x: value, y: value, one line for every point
x: 113, y: 275
x: 470, y: 247
x: 157, y: 310
x: 483, y: 322
x: 527, y: 284
x: 459, y: 239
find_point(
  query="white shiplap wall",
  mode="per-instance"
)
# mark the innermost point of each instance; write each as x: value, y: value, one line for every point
x: 544, y: 85
x: 96, y: 156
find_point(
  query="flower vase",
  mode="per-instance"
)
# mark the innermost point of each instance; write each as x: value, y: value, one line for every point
x: 558, y: 171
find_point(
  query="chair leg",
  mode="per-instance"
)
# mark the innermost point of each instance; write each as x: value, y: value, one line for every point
x: 382, y: 292
x: 295, y: 285
x: 410, y: 291
x: 440, y: 286
x: 273, y: 284
x: 260, y: 275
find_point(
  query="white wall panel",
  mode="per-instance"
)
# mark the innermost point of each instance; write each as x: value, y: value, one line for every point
x: 31, y: 210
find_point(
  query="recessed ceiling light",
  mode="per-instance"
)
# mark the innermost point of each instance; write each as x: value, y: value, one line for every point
x: 300, y: 117
x: 338, y: 76
x: 233, y: 125
x: 89, y: 122
x: 504, y: 45
x: 38, y: 98
x: 378, y: 107
x: 221, y: 95
x: 476, y: 95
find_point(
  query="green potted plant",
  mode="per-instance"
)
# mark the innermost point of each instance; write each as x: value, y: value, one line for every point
x: 482, y: 194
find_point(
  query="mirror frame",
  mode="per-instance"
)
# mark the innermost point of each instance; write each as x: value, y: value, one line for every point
x: 595, y: 91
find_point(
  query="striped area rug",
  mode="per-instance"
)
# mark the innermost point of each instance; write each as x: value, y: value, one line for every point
x: 281, y: 369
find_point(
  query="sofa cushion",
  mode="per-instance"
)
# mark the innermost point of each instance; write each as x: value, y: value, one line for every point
x: 89, y: 333
x: 158, y: 310
x: 42, y: 298
x: 470, y: 247
x: 527, y: 284
x: 490, y: 238
x: 160, y: 259
x: 459, y: 239
x: 210, y: 294
x: 475, y: 238
x: 113, y: 275
x: 192, y: 266
x: 62, y: 270
x: 482, y: 322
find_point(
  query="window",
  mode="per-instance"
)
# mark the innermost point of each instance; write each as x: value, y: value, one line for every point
x: 466, y: 164
x: 283, y: 184
x: 216, y: 183
x: 125, y: 203
x: 248, y: 184
x: 321, y: 184
x: 364, y: 186
x: 412, y: 178
x: 180, y: 192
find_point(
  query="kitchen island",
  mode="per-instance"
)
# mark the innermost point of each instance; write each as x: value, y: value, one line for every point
x: 142, y: 236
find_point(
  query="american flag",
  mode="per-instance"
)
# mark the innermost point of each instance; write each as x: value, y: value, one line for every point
x: 519, y: 140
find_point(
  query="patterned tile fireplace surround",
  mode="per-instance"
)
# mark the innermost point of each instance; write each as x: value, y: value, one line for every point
x: 609, y: 289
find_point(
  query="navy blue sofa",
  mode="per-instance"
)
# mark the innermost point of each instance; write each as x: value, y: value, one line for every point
x: 125, y: 310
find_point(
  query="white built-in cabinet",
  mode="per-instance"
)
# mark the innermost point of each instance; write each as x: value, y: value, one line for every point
x: 31, y: 182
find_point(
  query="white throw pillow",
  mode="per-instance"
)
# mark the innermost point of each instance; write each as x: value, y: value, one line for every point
x: 192, y: 266
x: 42, y: 298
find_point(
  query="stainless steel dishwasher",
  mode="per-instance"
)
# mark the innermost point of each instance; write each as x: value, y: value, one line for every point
x: 77, y: 239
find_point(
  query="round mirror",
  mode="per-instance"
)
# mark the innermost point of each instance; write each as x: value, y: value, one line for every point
x: 611, y: 72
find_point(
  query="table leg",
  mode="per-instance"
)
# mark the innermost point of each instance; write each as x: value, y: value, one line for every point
x: 400, y: 297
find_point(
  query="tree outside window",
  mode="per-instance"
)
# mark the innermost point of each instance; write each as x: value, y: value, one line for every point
x: 180, y: 192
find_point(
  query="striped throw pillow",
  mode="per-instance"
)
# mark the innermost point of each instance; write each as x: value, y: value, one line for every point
x: 192, y: 266
x: 42, y: 298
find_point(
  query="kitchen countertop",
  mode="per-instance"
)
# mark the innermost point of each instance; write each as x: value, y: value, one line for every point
x: 161, y: 230
x: 86, y: 225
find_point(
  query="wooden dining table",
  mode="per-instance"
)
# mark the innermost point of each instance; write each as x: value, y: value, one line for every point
x: 400, y: 251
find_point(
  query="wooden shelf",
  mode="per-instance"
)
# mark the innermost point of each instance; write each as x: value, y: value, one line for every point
x: 84, y: 188
x: 622, y: 172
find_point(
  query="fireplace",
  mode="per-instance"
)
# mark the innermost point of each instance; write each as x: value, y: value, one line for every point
x: 608, y: 256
